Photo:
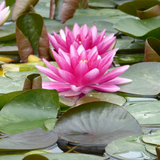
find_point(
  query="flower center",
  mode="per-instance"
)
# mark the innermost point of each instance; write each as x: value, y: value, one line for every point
x: 80, y: 42
x: 83, y: 61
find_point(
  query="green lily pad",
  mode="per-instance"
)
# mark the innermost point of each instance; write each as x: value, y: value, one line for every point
x: 96, y: 123
x: 145, y: 79
x: 101, y: 3
x: 28, y: 140
x: 128, y: 148
x: 153, y: 138
x: 101, y: 96
x: 29, y: 110
x: 59, y: 156
x: 146, y: 113
x: 151, y: 149
x: 5, y: 98
x: 7, y: 32
x: 140, y: 29
x: 49, y: 124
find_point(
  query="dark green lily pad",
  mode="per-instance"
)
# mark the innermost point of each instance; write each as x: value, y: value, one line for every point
x: 28, y: 140
x: 146, y: 113
x: 140, y: 29
x: 128, y: 148
x: 101, y: 3
x: 58, y: 156
x: 145, y: 79
x: 29, y: 110
x: 96, y: 123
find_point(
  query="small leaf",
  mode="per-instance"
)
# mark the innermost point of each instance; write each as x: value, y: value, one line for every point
x: 152, y: 51
x: 35, y: 157
x: 21, y: 7
x: 33, y: 81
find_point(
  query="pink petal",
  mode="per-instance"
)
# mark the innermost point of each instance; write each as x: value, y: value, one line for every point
x: 93, y: 54
x: 51, y: 66
x: 63, y: 34
x: 55, y: 85
x: 76, y: 30
x: 65, y: 55
x: 86, y: 90
x: 67, y: 76
x: 83, y: 56
x: 106, y: 88
x: 55, y: 44
x: 69, y: 39
x: 113, y: 74
x: 87, y: 42
x: 80, y: 49
x: 84, y: 32
x: 80, y: 71
x: 99, y: 38
x: 119, y: 80
x: 73, y: 52
x: 59, y: 40
x: 90, y: 76
x: 2, y: 6
x: 74, y: 62
x: 49, y: 73
x: 93, y: 31
x: 77, y: 89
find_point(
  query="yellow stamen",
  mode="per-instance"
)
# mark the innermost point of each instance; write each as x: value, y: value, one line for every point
x: 83, y: 61
x: 80, y: 42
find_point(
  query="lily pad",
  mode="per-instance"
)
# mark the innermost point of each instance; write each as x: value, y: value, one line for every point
x: 29, y: 110
x: 7, y: 32
x: 28, y: 140
x: 59, y: 156
x: 151, y: 149
x: 49, y: 124
x: 140, y: 29
x: 101, y: 96
x: 96, y: 123
x: 153, y: 138
x: 146, y: 113
x: 128, y: 148
x: 145, y: 79
x: 101, y: 3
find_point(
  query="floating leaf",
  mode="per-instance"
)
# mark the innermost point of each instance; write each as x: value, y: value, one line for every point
x: 57, y: 156
x: 5, y: 98
x: 151, y: 149
x: 22, y: 7
x: 28, y: 140
x: 33, y: 81
x: 101, y: 3
x: 29, y: 110
x: 96, y: 123
x: 7, y: 32
x: 128, y: 148
x: 153, y: 138
x: 145, y: 79
x: 31, y: 31
x: 140, y: 29
x: 49, y: 124
x: 146, y: 113
x: 101, y: 96
x: 152, y: 52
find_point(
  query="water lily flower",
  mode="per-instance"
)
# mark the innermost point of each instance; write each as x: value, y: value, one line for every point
x: 82, y: 36
x: 81, y: 71
x: 4, y: 13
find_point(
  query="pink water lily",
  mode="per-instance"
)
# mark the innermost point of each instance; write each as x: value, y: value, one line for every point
x: 4, y: 13
x: 82, y: 36
x: 81, y: 71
